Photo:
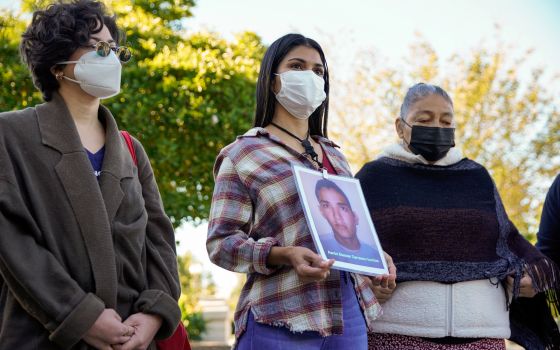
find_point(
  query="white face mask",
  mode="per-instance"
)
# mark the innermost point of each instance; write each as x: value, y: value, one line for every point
x: 301, y: 92
x: 98, y: 76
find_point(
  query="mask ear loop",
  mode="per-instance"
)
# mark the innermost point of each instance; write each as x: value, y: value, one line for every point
x: 58, y: 74
x: 403, y: 141
x: 281, y: 83
x: 405, y: 123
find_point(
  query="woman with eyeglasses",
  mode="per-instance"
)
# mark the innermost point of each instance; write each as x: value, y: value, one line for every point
x: 292, y: 299
x: 87, y: 254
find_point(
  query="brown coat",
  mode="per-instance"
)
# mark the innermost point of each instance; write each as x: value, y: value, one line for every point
x: 70, y: 246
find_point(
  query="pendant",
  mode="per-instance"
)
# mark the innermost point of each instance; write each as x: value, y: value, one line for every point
x: 310, y: 151
x: 309, y: 148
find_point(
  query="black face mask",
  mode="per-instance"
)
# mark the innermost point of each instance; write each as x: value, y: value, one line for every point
x: 432, y: 143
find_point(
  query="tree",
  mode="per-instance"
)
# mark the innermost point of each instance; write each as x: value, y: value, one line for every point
x: 185, y: 97
x: 507, y: 123
x: 194, y: 99
x: 16, y: 90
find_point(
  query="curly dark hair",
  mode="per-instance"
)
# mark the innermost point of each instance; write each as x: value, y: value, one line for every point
x: 56, y: 32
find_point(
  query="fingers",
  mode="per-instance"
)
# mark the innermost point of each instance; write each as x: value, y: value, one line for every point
x: 526, y: 287
x: 526, y: 281
x: 311, y: 266
x: 382, y: 294
x: 131, y: 322
x: 390, y: 264
x: 316, y: 260
x: 383, y: 298
x: 392, y: 270
x: 327, y: 264
x: 127, y: 330
x: 375, y: 281
x: 383, y: 286
x: 119, y: 341
x: 384, y: 281
x: 312, y: 273
x: 133, y: 343
x: 392, y: 281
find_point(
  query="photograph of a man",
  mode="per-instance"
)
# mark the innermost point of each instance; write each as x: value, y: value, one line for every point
x: 338, y: 218
x: 342, y: 243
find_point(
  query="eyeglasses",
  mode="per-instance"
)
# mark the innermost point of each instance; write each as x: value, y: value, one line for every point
x: 103, y: 49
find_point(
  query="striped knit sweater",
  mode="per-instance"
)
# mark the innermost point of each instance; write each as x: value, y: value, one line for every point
x: 446, y: 223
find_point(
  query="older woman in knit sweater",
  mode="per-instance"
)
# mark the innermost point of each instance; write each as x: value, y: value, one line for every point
x: 462, y: 264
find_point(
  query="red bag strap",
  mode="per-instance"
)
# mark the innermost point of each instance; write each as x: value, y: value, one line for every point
x: 178, y: 341
x: 130, y: 145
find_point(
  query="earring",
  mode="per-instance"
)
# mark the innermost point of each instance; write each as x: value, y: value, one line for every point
x: 59, y: 75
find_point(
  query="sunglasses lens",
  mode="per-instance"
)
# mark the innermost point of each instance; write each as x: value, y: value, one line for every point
x: 103, y: 49
x: 124, y: 54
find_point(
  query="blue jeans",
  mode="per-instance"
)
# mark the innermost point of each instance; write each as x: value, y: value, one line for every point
x: 260, y: 336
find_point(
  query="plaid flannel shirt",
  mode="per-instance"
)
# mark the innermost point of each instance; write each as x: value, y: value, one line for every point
x: 255, y: 206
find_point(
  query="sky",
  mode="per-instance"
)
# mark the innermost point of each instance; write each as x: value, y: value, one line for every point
x: 388, y: 27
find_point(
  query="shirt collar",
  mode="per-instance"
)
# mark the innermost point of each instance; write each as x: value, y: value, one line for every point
x: 258, y: 131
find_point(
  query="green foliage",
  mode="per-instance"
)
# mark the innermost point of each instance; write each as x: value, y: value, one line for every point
x: 167, y: 10
x: 195, y: 324
x: 186, y: 103
x: 17, y: 90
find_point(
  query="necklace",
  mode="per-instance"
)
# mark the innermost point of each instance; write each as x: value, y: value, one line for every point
x: 309, y: 150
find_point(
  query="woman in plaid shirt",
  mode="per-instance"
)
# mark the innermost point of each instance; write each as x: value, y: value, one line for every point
x: 292, y: 299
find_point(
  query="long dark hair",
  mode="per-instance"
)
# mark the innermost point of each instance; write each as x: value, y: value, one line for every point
x: 266, y: 101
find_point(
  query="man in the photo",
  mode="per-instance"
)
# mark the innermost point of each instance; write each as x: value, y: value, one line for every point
x: 342, y: 244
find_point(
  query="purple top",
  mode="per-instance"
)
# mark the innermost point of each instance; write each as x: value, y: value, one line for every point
x: 96, y: 160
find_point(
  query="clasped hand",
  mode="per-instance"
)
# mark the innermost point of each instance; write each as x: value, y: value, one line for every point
x: 135, y: 333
